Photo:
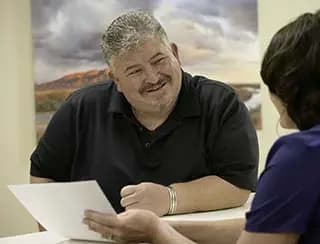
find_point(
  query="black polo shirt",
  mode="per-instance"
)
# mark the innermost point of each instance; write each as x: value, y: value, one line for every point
x: 94, y: 135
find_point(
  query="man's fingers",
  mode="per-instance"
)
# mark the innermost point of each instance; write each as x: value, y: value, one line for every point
x: 128, y: 190
x: 136, y: 206
x: 129, y: 200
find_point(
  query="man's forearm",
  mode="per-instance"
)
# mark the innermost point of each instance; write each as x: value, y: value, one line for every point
x: 208, y: 193
x: 218, y: 232
x: 34, y: 179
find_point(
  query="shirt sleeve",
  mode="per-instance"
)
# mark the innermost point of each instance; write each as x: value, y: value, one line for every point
x: 234, y: 154
x: 53, y: 155
x: 287, y: 191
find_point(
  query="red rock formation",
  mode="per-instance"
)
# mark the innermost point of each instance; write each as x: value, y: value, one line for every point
x: 74, y: 81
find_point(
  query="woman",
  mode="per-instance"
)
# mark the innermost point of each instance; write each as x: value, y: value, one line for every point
x: 286, y: 207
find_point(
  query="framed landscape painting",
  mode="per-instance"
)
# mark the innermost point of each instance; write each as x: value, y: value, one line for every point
x: 216, y: 38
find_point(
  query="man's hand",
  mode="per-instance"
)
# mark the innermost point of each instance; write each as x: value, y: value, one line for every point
x: 149, y: 196
x: 132, y: 226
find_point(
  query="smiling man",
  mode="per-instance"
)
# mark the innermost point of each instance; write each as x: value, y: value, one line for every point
x: 149, y: 76
x: 154, y: 137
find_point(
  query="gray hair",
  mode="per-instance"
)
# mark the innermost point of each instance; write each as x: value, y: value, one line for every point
x: 126, y: 32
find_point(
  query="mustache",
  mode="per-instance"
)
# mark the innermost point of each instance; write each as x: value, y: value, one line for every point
x: 148, y: 86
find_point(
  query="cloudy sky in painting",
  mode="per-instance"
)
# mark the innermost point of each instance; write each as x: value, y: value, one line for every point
x: 217, y: 38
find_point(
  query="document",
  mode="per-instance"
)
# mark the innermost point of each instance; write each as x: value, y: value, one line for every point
x: 59, y: 207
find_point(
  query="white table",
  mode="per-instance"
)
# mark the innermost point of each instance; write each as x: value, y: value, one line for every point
x: 44, y: 237
x: 51, y: 238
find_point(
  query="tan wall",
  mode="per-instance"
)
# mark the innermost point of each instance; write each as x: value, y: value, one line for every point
x: 17, y: 132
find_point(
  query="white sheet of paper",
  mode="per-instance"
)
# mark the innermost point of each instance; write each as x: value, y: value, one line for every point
x: 59, y: 207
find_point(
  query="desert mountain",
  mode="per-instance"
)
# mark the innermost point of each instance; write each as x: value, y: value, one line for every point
x: 74, y: 81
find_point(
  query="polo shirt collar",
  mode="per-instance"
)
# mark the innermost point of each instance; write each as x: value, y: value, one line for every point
x: 187, y: 104
x: 118, y: 103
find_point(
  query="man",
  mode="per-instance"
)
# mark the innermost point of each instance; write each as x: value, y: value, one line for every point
x: 150, y: 127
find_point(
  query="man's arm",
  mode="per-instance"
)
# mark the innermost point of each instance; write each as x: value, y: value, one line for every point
x: 34, y: 179
x: 207, y: 193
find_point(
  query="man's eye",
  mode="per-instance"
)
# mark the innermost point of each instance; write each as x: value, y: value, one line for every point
x: 135, y: 72
x: 159, y: 61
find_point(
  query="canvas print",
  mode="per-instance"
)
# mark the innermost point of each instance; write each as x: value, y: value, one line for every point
x: 216, y: 38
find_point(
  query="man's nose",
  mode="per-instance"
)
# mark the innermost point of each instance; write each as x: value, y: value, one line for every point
x: 152, y: 75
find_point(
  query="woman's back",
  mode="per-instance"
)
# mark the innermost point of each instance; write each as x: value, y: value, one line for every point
x: 288, y: 192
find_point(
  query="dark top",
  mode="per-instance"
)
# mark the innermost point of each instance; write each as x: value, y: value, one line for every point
x: 288, y: 192
x: 94, y: 135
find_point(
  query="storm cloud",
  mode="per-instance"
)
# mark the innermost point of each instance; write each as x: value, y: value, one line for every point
x: 212, y: 33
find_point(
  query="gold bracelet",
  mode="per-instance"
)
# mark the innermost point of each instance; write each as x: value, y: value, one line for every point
x: 172, y: 200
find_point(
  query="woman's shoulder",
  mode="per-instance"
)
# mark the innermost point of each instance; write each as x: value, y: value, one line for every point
x: 306, y: 137
x: 295, y: 147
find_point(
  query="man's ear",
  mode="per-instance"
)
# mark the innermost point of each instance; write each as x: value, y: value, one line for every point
x: 107, y: 73
x: 175, y: 52
x: 116, y: 81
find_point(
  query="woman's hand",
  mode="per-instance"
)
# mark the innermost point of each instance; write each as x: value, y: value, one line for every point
x: 132, y: 226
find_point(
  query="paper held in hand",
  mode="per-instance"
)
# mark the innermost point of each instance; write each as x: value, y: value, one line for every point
x: 59, y: 207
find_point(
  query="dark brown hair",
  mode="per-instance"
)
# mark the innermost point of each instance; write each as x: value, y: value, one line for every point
x: 291, y: 69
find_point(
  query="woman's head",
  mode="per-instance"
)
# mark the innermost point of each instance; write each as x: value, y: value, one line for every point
x: 291, y: 70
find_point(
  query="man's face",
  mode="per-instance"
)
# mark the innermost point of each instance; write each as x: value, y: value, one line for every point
x: 149, y: 76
